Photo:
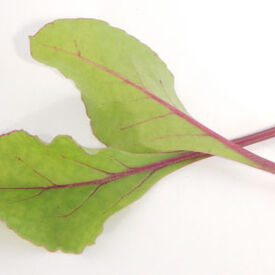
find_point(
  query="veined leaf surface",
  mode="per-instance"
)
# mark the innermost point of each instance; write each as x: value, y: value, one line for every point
x: 128, y: 91
x: 58, y: 196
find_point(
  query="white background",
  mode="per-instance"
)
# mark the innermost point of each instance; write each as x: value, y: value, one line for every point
x: 213, y: 217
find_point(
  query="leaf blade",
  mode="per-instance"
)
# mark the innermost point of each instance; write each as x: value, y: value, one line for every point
x: 70, y: 216
x: 127, y: 111
x: 60, y: 215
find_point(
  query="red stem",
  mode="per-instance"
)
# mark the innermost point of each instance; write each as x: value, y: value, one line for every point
x: 243, y: 141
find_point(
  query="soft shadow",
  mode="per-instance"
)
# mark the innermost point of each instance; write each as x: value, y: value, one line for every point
x: 21, y: 39
x: 64, y: 117
x: 11, y: 242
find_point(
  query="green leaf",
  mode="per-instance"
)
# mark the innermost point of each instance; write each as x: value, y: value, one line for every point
x: 128, y: 91
x: 58, y: 196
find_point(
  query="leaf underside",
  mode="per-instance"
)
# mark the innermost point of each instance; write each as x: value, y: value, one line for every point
x: 128, y: 91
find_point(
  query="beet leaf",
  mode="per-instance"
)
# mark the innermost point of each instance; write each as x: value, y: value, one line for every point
x: 128, y: 91
x: 58, y: 195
